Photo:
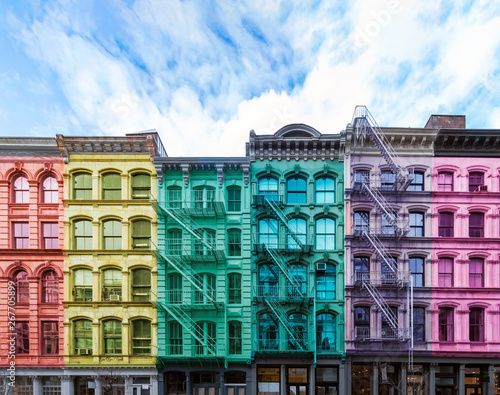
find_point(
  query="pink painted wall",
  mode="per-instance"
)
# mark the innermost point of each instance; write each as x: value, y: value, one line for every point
x: 36, y: 260
x: 462, y: 296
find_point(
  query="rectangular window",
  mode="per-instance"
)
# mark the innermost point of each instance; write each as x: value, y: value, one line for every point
x: 234, y: 199
x: 445, y: 226
x: 268, y: 381
x: 362, y: 322
x: 83, y: 285
x: 235, y: 339
x: 175, y: 338
x: 446, y: 324
x: 362, y: 176
x: 50, y: 338
x: 82, y: 186
x: 476, y: 268
x: 22, y: 338
x: 476, y: 179
x: 141, y: 234
x: 234, y: 288
x: 141, y: 186
x: 20, y: 230
x: 416, y: 225
x: 141, y: 337
x: 50, y: 235
x: 417, y: 271
x: 83, y: 235
x: 112, y: 235
x: 387, y: 180
x: 445, y: 182
x: 112, y: 285
x: 111, y: 186
x: 112, y: 336
x: 419, y: 324
x: 417, y: 184
x: 476, y: 225
x: 388, y: 332
x: 234, y: 242
x: 445, y: 272
x: 141, y: 285
x: 476, y: 325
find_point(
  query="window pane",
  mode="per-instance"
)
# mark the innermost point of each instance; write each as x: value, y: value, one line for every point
x: 141, y: 285
x: 50, y: 190
x: 234, y: 288
x: 476, y: 179
x: 268, y: 232
x: 476, y: 273
x: 325, y: 190
x: 83, y: 285
x: 141, y: 186
x: 325, y: 332
x: 141, y: 234
x: 296, y: 191
x: 325, y: 234
x: 445, y: 181
x: 22, y: 337
x: 235, y: 339
x: 22, y: 287
x: 82, y: 337
x: 417, y: 271
x: 417, y: 184
x: 112, y: 336
x: 83, y: 235
x: 326, y: 283
x: 416, y: 225
x: 111, y: 186
x: 82, y: 186
x: 476, y: 225
x: 419, y: 324
x: 446, y: 324
x: 476, y: 325
x: 21, y: 234
x: 112, y: 235
x: 50, y: 287
x: 234, y: 199
x: 50, y: 235
x: 234, y: 242
x: 20, y: 190
x: 141, y: 337
x: 50, y: 338
x: 445, y: 272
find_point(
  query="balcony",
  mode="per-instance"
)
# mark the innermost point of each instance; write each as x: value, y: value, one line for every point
x: 192, y: 298
x: 259, y: 201
x: 363, y: 333
x: 288, y: 293
x: 198, y: 203
x: 283, y: 346
x: 180, y: 350
x: 380, y: 279
x: 194, y: 250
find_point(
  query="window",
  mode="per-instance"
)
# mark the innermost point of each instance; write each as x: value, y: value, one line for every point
x: 112, y: 285
x: 175, y: 338
x: 417, y: 271
x: 235, y: 338
x: 325, y: 190
x: 112, y: 337
x: 268, y: 280
x: 476, y: 179
x: 388, y: 332
x: 476, y: 225
x: 50, y: 235
x: 233, y: 199
x: 51, y: 385
x: 83, y: 235
x: 21, y: 233
x: 174, y: 292
x: 82, y: 335
x: 296, y: 190
x: 141, y: 285
x: 362, y: 176
x: 298, y: 274
x: 206, y: 282
x: 111, y: 186
x: 268, y: 187
x: 141, y: 186
x: 326, y: 283
x: 83, y: 285
x: 299, y: 228
x: 417, y: 184
x: 445, y: 272
x: 50, y: 190
x: 446, y: 324
x: 207, y: 332
x: 22, y: 337
x: 174, y: 242
x: 389, y: 270
x: 174, y: 197
x: 141, y: 337
x: 362, y: 322
x: 234, y: 288
x: 445, y: 224
x: 325, y: 332
x: 234, y: 242
x: 20, y: 190
x: 325, y: 234
x: 476, y: 278
x: 204, y: 197
x: 205, y: 241
x: 387, y: 180
x: 388, y: 228
x: 416, y: 225
x: 268, y: 332
x: 22, y: 287
x: 50, y: 287
x: 419, y: 324
x: 50, y: 338
x: 361, y: 221
x: 268, y: 232
x: 445, y: 181
x: 268, y: 381
x: 112, y: 235
x: 362, y: 268
x: 141, y: 234
x: 82, y: 186
x: 298, y: 324
x: 476, y: 324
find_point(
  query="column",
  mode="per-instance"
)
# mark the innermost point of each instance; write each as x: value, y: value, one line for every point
x: 312, y: 379
x: 67, y: 385
x: 432, y: 379
x: 346, y: 383
x: 253, y: 379
x: 128, y: 385
x: 160, y: 385
x: 403, y: 378
x: 154, y: 385
x: 222, y: 390
x: 188, y: 384
x: 375, y: 379
x: 491, y: 380
x: 98, y: 385
x: 461, y: 380
x: 282, y: 380
x: 37, y: 385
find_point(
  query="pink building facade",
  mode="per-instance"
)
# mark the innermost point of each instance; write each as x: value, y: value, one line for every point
x: 31, y: 263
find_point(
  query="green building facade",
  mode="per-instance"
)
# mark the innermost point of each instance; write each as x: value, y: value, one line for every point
x: 297, y: 188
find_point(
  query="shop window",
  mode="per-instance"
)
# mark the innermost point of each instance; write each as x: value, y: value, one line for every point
x: 446, y: 379
x: 417, y: 271
x: 325, y: 234
x: 51, y: 385
x: 297, y: 380
x: 22, y: 286
x: 50, y: 235
x: 21, y: 234
x: 268, y: 381
x: 141, y: 186
x: 296, y: 188
x: 22, y: 337
x: 112, y: 337
x: 83, y: 235
x: 326, y: 332
x: 361, y: 379
x: 112, y: 235
x: 50, y: 287
x: 20, y: 190
x: 234, y: 288
x: 445, y: 224
x: 233, y: 199
x: 112, y: 285
x: 141, y: 285
x: 417, y: 184
x: 476, y: 179
x: 82, y: 186
x: 176, y: 383
x: 325, y: 190
x: 327, y: 380
x: 141, y: 234
x: 111, y: 186
x: 234, y: 242
x: 326, y: 283
x: 141, y: 337
x: 175, y: 338
x: 50, y: 190
x: 445, y: 272
x: 235, y: 337
x: 82, y: 337
x: 476, y: 225
x: 476, y: 273
x: 268, y: 332
x: 445, y: 182
x: 446, y: 324
x: 50, y: 338
x: 235, y: 382
x: 476, y: 324
x: 83, y: 285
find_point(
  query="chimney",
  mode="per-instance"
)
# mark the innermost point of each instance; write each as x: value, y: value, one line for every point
x: 446, y: 122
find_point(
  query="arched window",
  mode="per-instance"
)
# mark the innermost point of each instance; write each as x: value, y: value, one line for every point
x: 476, y: 224
x: 141, y: 337
x: 112, y: 285
x: 174, y: 242
x: 112, y: 337
x: 20, y: 190
x: 82, y: 186
x: 235, y: 337
x: 269, y: 232
x: 476, y: 273
x: 83, y: 285
x: 174, y: 197
x: 268, y: 332
x: 325, y: 190
x: 299, y: 228
x: 175, y: 338
x: 141, y: 234
x: 362, y: 221
x: 111, y: 186
x: 268, y: 280
x: 141, y: 186
x: 82, y: 337
x: 141, y: 285
x: 22, y: 287
x: 174, y: 292
x: 50, y: 190
x: 325, y: 234
x: 298, y: 274
x: 50, y: 287
x: 83, y: 234
x: 112, y: 235
x: 204, y: 197
x: 298, y: 322
x: 417, y: 184
x: 234, y: 288
x: 206, y: 282
x: 476, y: 180
x: 326, y: 332
x: 296, y: 190
x: 362, y: 268
x: 445, y: 181
x: 388, y: 332
x: 207, y: 240
x: 362, y: 322
x: 207, y: 332
x: 445, y: 224
x: 268, y: 186
x: 326, y: 283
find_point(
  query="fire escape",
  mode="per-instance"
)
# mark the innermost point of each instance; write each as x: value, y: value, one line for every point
x: 192, y: 244
x: 390, y: 279
x: 295, y: 293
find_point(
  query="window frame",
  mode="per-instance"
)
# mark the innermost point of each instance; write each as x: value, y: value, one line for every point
x: 296, y: 189
x: 476, y: 179
x: 234, y: 242
x: 235, y: 338
x: 141, y: 191
x: 416, y: 229
x: 476, y: 277
x: 111, y: 192
x: 417, y: 325
x: 50, y: 287
x: 142, y: 340
x: 110, y: 284
x: 476, y: 326
x: 446, y: 322
x: 446, y: 224
x: 20, y: 235
x: 234, y: 290
x: 387, y: 180
x: 22, y: 337
x: 144, y: 287
x: 85, y: 191
x: 50, y: 193
x: 84, y: 286
x: 329, y: 196
x: 326, y: 280
x: 112, y: 234
x: 272, y: 238
x: 84, y: 238
x: 175, y: 344
x: 269, y: 333
x: 49, y: 241
x: 51, y: 339
x: 421, y: 274
x: 174, y: 196
x: 476, y: 229
x: 112, y: 336
x: 444, y: 184
x: 20, y: 193
x: 233, y: 198
x: 445, y: 277
x: 86, y: 338
x: 420, y: 186
x: 21, y: 281
x: 297, y: 224
x: 141, y: 241
x: 268, y: 283
x: 362, y: 320
x: 323, y: 341
x: 326, y: 236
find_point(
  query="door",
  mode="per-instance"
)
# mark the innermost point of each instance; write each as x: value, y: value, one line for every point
x: 297, y: 389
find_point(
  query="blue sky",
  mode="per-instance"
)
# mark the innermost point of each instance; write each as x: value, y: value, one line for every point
x: 204, y: 73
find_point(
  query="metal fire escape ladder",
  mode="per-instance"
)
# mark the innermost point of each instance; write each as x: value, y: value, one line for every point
x: 280, y: 261
x: 283, y: 218
x: 285, y: 321
x: 379, y: 249
x: 382, y: 204
x: 383, y: 306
